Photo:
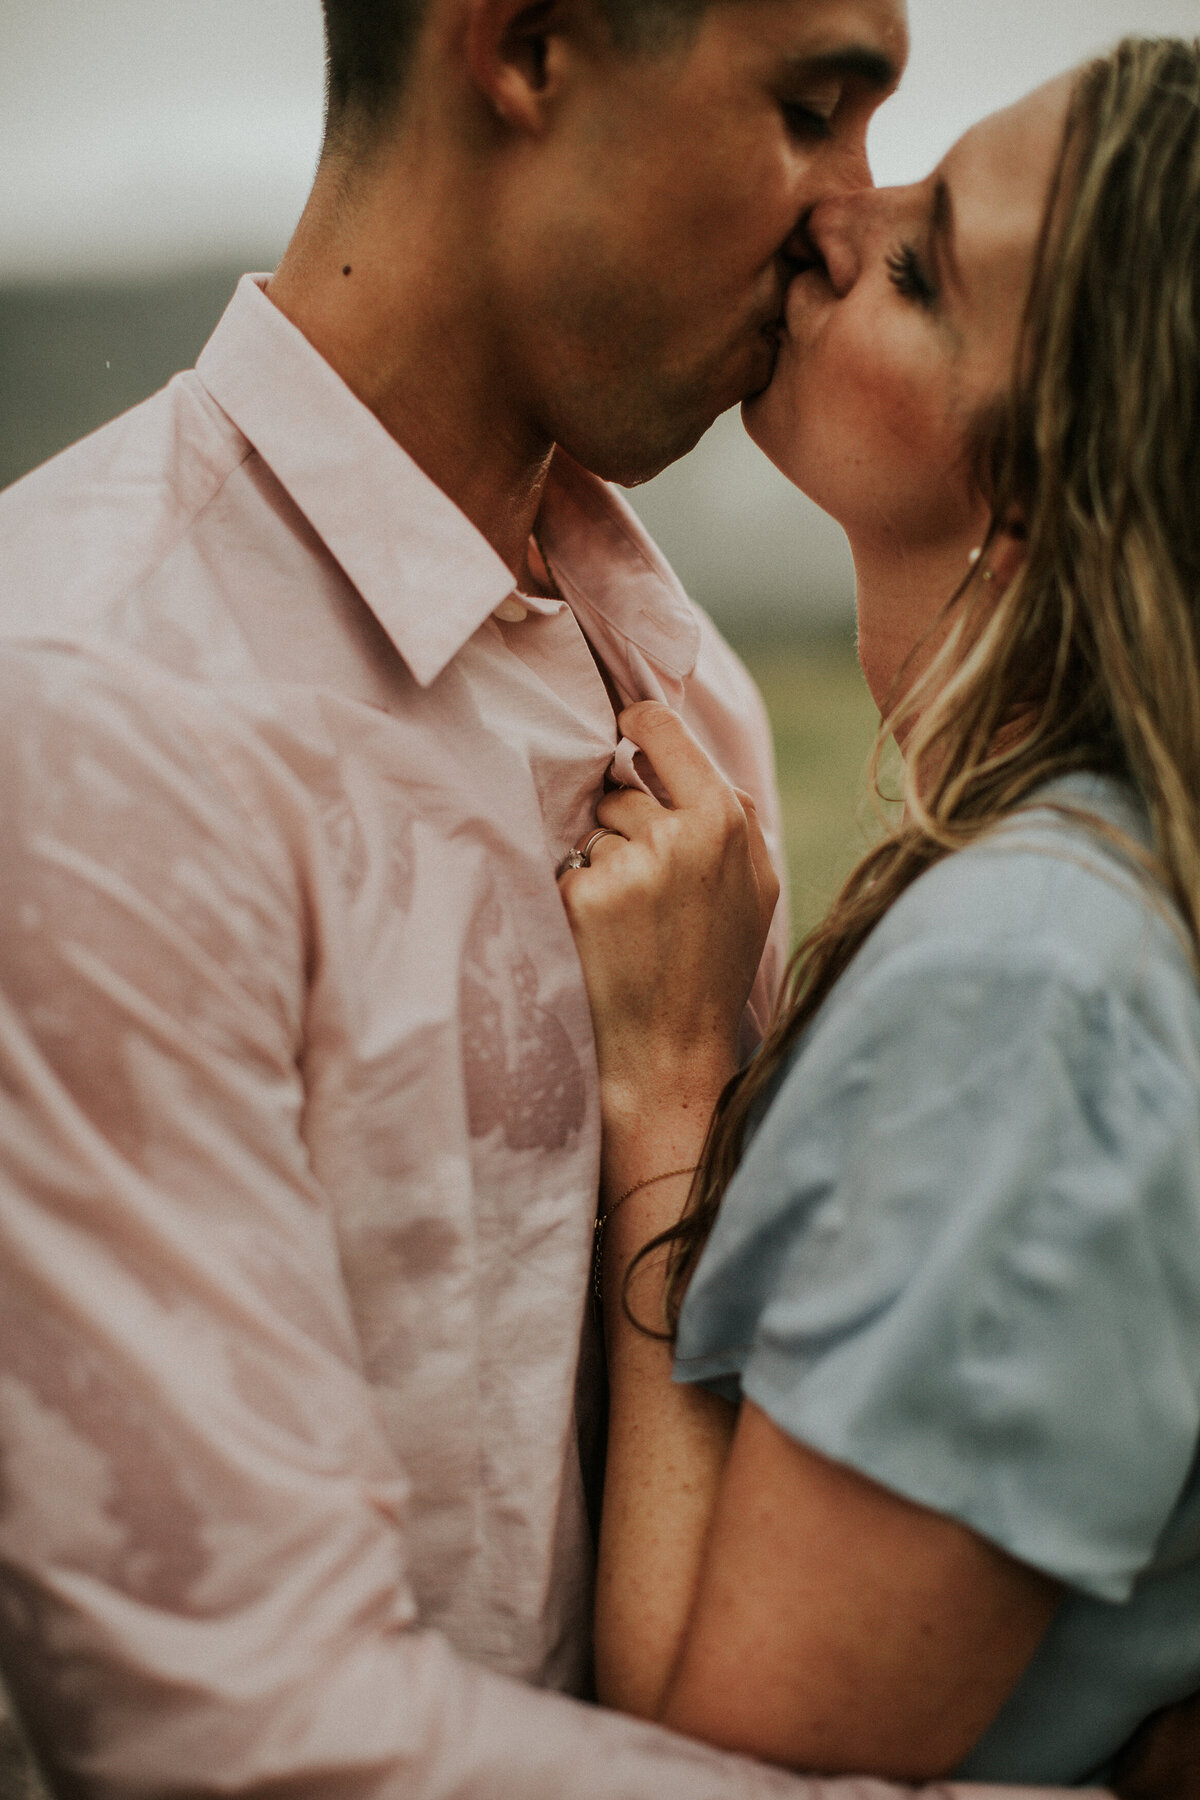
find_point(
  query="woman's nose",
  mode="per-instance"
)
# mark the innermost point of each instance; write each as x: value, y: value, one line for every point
x: 836, y: 229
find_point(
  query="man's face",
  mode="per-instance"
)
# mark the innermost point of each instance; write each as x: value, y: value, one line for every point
x: 654, y: 220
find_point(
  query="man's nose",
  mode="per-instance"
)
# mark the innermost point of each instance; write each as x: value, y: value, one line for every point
x: 851, y: 171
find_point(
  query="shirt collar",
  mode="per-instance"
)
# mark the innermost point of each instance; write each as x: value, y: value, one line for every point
x: 612, y: 574
x: 428, y: 575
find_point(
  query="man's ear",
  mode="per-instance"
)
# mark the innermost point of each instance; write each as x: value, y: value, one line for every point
x: 510, y: 56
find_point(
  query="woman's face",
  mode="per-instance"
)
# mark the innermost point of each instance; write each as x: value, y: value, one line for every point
x: 907, y: 330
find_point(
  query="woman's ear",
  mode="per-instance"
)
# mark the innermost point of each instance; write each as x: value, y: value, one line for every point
x: 1002, y: 554
x: 1007, y: 551
x: 509, y: 57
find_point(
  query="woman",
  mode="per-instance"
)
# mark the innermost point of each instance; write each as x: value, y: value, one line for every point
x: 953, y: 1288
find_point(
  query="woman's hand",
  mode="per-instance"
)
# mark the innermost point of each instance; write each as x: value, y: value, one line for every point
x: 671, y: 918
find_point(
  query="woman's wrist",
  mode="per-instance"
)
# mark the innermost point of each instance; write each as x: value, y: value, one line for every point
x: 654, y: 1136
x: 635, y: 1219
x: 647, y: 1134
x: 662, y: 1102
x: 650, y: 1210
x: 649, y: 1205
x: 638, y: 1161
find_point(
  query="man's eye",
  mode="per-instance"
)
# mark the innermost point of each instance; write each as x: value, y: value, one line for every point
x: 806, y: 121
x: 908, y: 276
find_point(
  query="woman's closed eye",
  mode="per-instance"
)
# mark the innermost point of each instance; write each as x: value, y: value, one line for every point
x: 909, y: 277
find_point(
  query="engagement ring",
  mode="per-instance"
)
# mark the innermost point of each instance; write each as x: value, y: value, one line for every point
x: 581, y: 858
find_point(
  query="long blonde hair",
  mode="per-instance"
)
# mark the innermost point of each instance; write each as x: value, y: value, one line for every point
x: 1091, y: 657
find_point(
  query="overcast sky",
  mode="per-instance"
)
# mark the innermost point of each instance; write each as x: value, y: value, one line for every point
x: 146, y: 133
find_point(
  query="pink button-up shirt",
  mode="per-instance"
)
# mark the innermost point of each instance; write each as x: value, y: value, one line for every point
x: 298, y: 1133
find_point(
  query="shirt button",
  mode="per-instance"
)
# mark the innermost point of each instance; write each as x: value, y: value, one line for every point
x: 511, y: 611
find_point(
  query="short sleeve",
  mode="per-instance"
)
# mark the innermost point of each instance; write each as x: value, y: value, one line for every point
x: 962, y: 1256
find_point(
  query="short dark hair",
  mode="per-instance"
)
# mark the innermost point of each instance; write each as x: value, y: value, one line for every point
x: 367, y: 49
x: 369, y: 45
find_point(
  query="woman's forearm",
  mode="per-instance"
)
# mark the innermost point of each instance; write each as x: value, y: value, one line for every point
x: 667, y: 1444
x: 670, y: 916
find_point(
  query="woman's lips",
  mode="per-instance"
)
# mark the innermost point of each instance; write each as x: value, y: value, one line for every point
x: 807, y: 289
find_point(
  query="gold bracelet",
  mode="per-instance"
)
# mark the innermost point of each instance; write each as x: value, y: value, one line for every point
x: 650, y: 1181
x: 603, y: 1218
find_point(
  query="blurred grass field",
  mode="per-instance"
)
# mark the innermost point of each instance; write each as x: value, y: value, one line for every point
x: 824, y: 723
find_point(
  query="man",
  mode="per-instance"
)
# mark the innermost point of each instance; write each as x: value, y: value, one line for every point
x: 310, y: 668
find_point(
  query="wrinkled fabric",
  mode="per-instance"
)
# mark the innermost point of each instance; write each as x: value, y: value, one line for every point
x: 298, y: 1113
x: 962, y: 1255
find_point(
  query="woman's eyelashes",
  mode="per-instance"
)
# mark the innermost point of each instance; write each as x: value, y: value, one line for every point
x: 908, y: 276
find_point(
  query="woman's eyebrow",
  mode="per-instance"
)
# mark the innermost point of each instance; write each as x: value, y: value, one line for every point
x: 942, y: 235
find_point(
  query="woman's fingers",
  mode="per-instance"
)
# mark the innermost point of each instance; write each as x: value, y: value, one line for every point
x: 764, y: 869
x: 628, y: 811
x: 611, y: 841
x: 671, y: 917
x: 596, y: 845
x: 681, y: 765
x: 697, y: 783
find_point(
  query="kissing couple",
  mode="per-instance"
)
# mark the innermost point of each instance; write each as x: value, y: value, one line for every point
x: 391, y: 869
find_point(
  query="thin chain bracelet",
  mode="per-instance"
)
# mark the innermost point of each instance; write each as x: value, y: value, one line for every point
x: 603, y: 1218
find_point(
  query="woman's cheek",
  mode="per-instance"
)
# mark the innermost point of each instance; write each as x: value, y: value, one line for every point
x: 858, y: 418
x: 775, y: 418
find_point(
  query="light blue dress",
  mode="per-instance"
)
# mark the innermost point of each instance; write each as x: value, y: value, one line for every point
x: 962, y: 1255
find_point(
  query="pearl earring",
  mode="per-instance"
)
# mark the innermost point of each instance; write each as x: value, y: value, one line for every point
x: 973, y: 558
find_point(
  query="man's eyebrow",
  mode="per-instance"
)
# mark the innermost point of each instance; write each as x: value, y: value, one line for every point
x: 852, y: 62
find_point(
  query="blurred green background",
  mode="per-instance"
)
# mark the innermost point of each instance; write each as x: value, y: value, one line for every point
x: 824, y: 723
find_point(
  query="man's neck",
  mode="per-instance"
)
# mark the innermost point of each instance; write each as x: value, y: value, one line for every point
x: 375, y: 289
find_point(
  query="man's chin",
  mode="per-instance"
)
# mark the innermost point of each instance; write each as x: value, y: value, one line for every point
x: 637, y: 467
x: 651, y: 436
x: 651, y: 445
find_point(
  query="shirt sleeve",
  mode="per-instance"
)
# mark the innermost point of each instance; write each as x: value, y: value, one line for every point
x: 203, y: 1585
x: 963, y: 1257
